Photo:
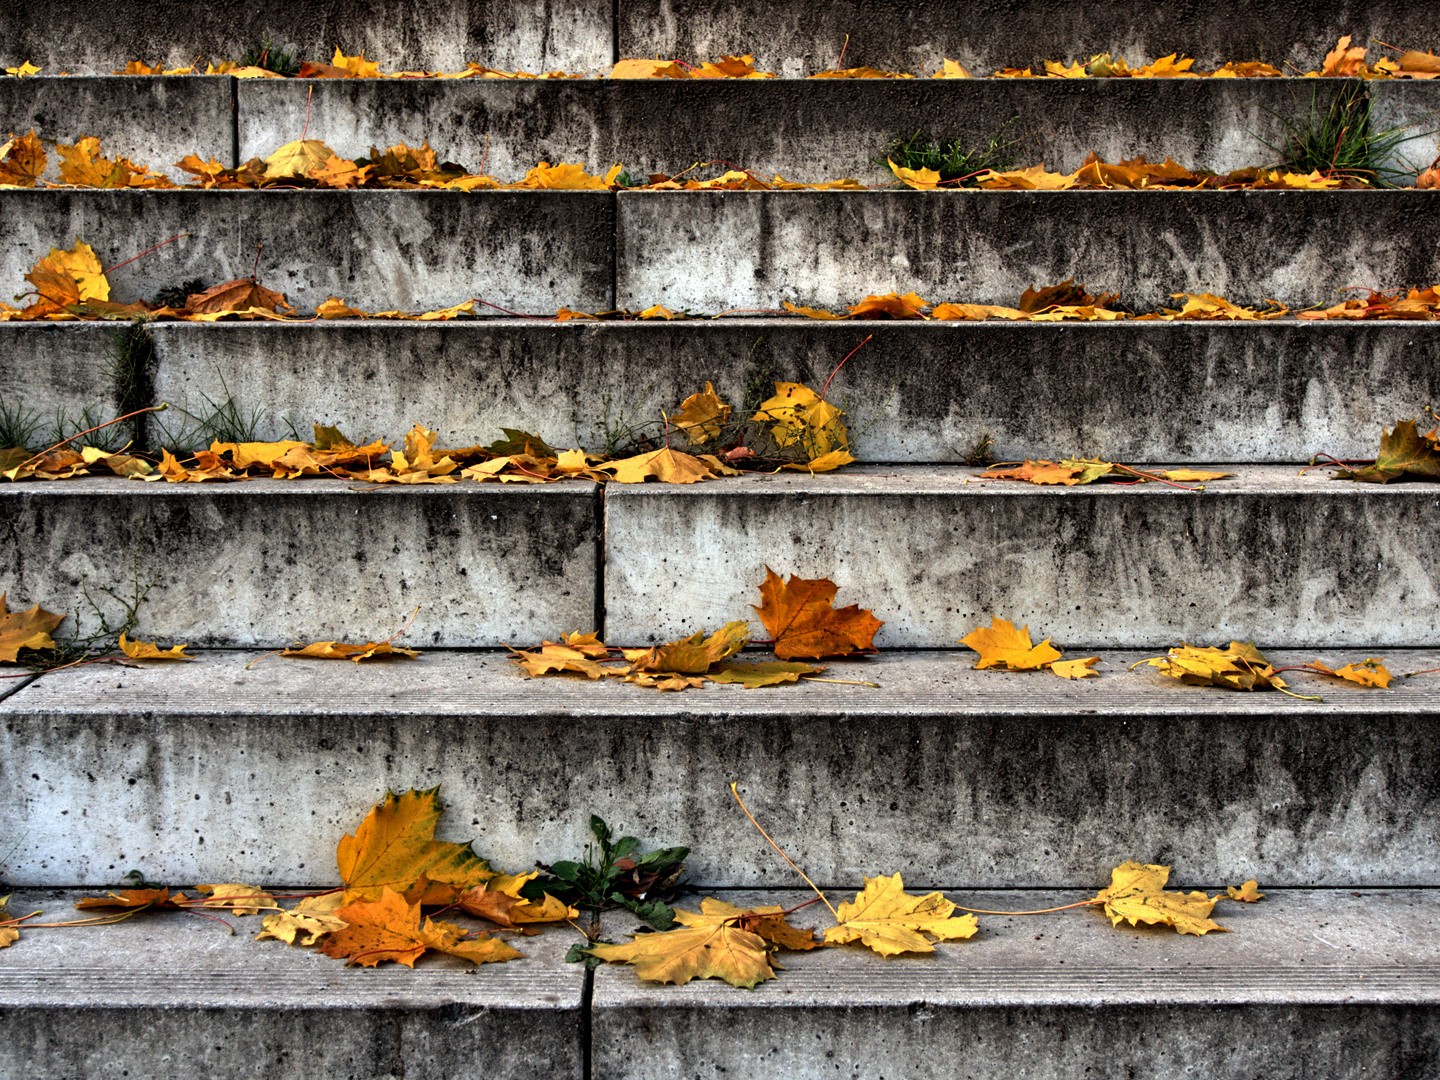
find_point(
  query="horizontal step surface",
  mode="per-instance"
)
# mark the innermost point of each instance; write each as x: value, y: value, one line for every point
x: 438, y: 35
x: 266, y: 562
x: 153, y: 121
x: 1304, y: 561
x: 132, y: 999
x: 1333, y: 983
x: 718, y: 250
x: 956, y: 777
x: 804, y: 129
x: 918, y: 392
x: 379, y: 250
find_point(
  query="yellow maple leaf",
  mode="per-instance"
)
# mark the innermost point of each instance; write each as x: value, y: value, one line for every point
x: 1075, y: 669
x: 579, y: 653
x: 23, y: 70
x: 1001, y: 645
x: 1035, y: 178
x: 297, y: 158
x: 395, y: 846
x: 648, y: 69
x: 312, y: 917
x: 25, y: 630
x: 666, y: 465
x: 1137, y: 894
x: 692, y: 655
x: 565, y: 178
x: 1371, y: 672
x: 1248, y: 893
x: 711, y: 945
x: 702, y: 416
x: 920, y: 179
x: 800, y: 418
x: 335, y: 308
x: 890, y: 921
x: 140, y: 650
x: 949, y: 69
x: 70, y: 277
x: 357, y: 66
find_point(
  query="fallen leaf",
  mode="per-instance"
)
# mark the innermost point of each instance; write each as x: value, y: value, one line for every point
x: 242, y: 294
x: 312, y: 917
x: 891, y: 304
x: 648, y: 69
x: 1137, y: 894
x: 666, y: 465
x: 949, y: 69
x: 139, y: 650
x: 1370, y: 672
x: 1239, y: 667
x: 1001, y: 645
x: 754, y: 676
x: 240, y: 899
x: 395, y: 846
x: 1075, y: 669
x: 800, y: 418
x: 25, y: 630
x: 1248, y: 893
x: 133, y: 898
x: 1403, y: 452
x: 709, y: 945
x: 692, y: 655
x: 768, y: 922
x: 809, y: 312
x: 802, y: 620
x: 22, y: 161
x: 69, y: 277
x: 702, y: 416
x: 335, y: 650
x: 23, y: 70
x: 335, y: 308
x: 578, y: 653
x: 390, y: 929
x: 890, y: 921
x: 920, y: 179
x: 296, y: 159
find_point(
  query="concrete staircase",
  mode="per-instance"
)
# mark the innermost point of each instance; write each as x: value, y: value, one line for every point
x: 1009, y: 792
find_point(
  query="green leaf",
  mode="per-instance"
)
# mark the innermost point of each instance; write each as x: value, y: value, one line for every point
x: 655, y: 913
x: 578, y: 955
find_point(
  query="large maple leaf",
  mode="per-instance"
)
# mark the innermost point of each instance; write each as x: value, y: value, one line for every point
x: 803, y: 621
x: 1137, y: 894
x: 390, y: 929
x: 25, y: 630
x: 395, y: 847
x: 1403, y: 452
x: 1001, y: 645
x: 890, y: 921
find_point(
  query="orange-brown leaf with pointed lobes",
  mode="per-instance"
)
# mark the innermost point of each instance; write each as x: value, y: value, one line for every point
x: 890, y: 921
x: 1404, y: 451
x: 1001, y: 645
x: 390, y: 929
x: 140, y: 650
x: 25, y: 630
x: 1249, y: 893
x: 69, y: 277
x: 891, y: 304
x: 802, y: 620
x: 335, y: 308
x: 83, y: 166
x: 1137, y: 894
x: 22, y: 160
x: 693, y: 655
x: 238, y: 295
x: 1371, y: 672
x: 1034, y: 178
x: 702, y: 416
x: 395, y: 847
x: 133, y: 898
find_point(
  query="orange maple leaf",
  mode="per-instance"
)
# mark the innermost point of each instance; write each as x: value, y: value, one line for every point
x: 390, y: 929
x: 25, y: 630
x: 803, y: 621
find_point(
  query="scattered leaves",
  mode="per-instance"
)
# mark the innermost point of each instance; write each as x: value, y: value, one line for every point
x: 1239, y: 667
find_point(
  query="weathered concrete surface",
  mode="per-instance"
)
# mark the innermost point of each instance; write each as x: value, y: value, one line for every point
x: 918, y: 392
x: 713, y: 251
x: 958, y: 778
x: 1266, y: 555
x: 571, y: 34
x: 911, y: 36
x: 267, y: 562
x: 529, y: 251
x: 56, y: 372
x: 139, y: 996
x: 1414, y: 106
x: 805, y: 130
x: 1309, y: 983
x: 154, y: 121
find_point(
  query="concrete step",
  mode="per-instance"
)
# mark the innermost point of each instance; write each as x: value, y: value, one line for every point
x: 900, y: 35
x: 1269, y: 555
x: 1278, y: 391
x: 1310, y: 983
x: 266, y: 562
x: 803, y: 129
x: 442, y: 35
x: 525, y: 250
x: 959, y: 778
x: 717, y: 250
x: 133, y: 999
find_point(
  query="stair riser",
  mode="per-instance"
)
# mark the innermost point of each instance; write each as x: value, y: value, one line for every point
x: 267, y: 563
x: 1225, y: 792
x: 916, y: 392
x: 570, y: 34
x: 926, y: 1041
x: 1090, y: 567
x: 531, y: 251
x: 714, y: 251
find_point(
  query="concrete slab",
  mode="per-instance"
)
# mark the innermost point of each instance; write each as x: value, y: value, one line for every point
x: 266, y: 562
x: 1300, y: 561
x: 957, y: 777
x: 529, y: 251
x: 1338, y: 983
x: 132, y: 999
x: 718, y: 250
x: 903, y: 35
x: 574, y: 34
x: 918, y: 392
x: 54, y: 373
x: 154, y: 121
x: 805, y: 130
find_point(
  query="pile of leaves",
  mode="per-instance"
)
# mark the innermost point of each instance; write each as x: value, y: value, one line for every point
x: 1421, y: 304
x: 1135, y: 174
x: 1065, y: 302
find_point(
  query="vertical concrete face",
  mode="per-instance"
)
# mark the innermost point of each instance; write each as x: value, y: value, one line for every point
x: 153, y: 121
x: 573, y: 35
x: 714, y: 251
x: 528, y: 251
x: 913, y: 37
x: 57, y: 373
x: 1414, y: 108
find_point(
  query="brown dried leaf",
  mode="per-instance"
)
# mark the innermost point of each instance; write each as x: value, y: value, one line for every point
x: 802, y: 620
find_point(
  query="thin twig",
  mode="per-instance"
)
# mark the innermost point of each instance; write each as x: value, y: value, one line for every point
x: 151, y: 408
x: 735, y: 791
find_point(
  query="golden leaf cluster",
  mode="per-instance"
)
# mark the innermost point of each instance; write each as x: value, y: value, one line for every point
x: 1075, y: 471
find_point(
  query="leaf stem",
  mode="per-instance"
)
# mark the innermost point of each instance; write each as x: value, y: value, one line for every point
x: 1427, y: 671
x: 1040, y: 911
x: 735, y: 791
x: 841, y: 682
x: 826, y: 388
x: 147, y: 251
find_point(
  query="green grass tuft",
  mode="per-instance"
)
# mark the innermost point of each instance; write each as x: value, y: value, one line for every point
x: 957, y: 163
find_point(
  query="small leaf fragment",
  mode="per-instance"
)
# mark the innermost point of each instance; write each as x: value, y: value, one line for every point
x: 1248, y: 893
x: 140, y: 650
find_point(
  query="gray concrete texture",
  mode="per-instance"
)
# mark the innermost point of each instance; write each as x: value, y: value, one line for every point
x: 54, y: 373
x: 574, y: 35
x: 131, y: 999
x: 918, y: 392
x: 1302, y: 561
x: 1308, y: 983
x: 1414, y: 107
x: 805, y: 130
x: 958, y: 778
x: 914, y: 36
x: 714, y: 251
x: 529, y: 251
x: 154, y: 122
x: 268, y: 562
